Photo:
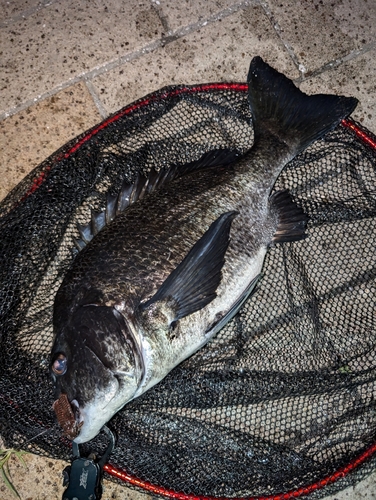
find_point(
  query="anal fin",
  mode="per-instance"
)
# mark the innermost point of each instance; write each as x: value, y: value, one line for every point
x: 292, y: 221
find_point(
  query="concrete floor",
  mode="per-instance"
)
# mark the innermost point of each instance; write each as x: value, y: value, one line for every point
x: 65, y: 65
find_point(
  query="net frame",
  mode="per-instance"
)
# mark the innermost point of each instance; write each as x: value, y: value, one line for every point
x: 363, y: 135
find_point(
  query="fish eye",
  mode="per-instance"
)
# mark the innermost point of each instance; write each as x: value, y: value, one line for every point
x: 59, y: 366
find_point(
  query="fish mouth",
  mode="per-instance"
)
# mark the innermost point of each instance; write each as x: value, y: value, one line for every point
x: 68, y: 416
x: 71, y: 416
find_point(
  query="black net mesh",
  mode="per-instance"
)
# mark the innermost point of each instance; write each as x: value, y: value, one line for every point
x: 284, y: 396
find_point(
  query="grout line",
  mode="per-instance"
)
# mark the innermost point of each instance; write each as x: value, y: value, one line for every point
x: 97, y: 101
x: 30, y: 102
x: 150, y: 47
x: 99, y: 70
x: 27, y: 13
x: 215, y: 17
x: 278, y: 30
x: 335, y: 63
x: 162, y: 17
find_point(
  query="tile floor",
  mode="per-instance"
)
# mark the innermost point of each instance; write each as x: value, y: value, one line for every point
x: 65, y: 65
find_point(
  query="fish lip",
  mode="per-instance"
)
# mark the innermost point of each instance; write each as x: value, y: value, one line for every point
x: 70, y: 416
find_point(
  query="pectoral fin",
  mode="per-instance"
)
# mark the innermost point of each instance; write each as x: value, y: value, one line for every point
x: 192, y: 285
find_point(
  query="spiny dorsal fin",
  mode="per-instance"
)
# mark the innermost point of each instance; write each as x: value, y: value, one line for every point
x: 130, y: 193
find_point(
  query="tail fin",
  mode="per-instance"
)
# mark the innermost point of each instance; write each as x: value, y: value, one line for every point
x: 280, y: 108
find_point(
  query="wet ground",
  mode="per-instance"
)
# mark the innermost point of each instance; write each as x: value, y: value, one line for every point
x: 65, y: 66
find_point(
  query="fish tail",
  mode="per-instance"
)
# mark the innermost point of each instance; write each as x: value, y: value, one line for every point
x: 280, y: 109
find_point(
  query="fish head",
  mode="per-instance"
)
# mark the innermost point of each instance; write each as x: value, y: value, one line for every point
x: 96, y: 367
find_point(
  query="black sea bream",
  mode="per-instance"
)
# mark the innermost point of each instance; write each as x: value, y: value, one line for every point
x: 179, y: 254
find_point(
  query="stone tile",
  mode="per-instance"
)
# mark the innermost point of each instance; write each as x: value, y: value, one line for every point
x: 320, y: 32
x: 116, y: 491
x: 353, y: 78
x: 41, y: 478
x: 30, y: 136
x: 218, y: 52
x: 10, y: 9
x: 68, y: 39
x: 184, y: 12
x: 85, y: 36
x: 357, y: 19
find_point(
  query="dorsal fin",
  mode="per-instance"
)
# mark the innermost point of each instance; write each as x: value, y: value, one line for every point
x: 130, y: 193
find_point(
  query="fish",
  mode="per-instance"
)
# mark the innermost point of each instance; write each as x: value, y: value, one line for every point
x: 175, y: 254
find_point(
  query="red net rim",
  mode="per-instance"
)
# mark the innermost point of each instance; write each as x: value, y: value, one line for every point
x: 121, y: 474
